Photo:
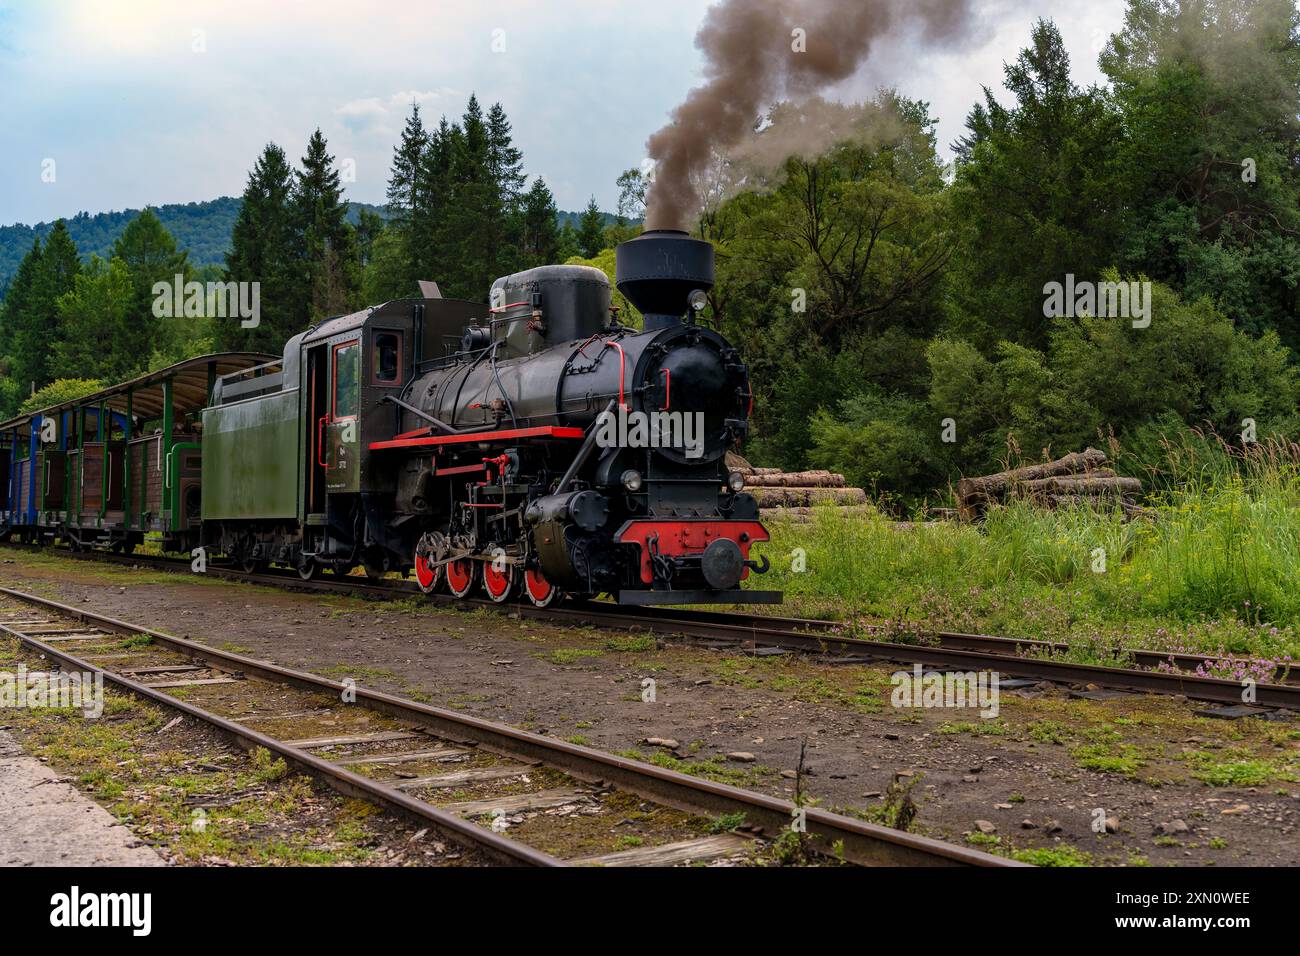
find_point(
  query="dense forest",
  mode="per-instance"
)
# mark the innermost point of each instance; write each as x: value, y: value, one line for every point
x: 202, y: 229
x: 893, y: 307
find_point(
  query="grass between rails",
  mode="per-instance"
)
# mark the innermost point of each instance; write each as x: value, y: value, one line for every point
x: 1215, y: 569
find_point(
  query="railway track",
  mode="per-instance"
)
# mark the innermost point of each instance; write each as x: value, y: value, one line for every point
x: 509, y: 794
x: 941, y: 650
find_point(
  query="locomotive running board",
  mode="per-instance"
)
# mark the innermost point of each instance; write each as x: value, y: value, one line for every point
x: 735, y: 596
x: 484, y: 437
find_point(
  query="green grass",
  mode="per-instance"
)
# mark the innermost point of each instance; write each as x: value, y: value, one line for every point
x: 1214, y: 570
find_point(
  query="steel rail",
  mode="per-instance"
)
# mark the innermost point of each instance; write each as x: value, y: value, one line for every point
x: 952, y: 649
x: 832, y: 834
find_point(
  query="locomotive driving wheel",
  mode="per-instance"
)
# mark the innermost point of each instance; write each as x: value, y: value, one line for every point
x: 460, y: 577
x: 500, y: 581
x: 541, y: 592
x: 429, y: 552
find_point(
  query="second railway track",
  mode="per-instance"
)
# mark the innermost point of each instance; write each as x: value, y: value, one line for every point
x: 1018, y: 657
x: 456, y: 773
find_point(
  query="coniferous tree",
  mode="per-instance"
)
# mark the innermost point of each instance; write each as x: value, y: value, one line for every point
x: 17, y: 303
x: 432, y: 231
x: 18, y: 299
x: 471, y: 242
x: 540, y: 240
x: 502, y: 221
x: 369, y: 227
x: 324, y: 238
x: 37, y: 327
x: 149, y: 254
x: 405, y: 188
x: 262, y: 250
x: 591, y: 230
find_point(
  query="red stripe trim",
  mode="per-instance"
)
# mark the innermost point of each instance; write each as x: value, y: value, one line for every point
x: 504, y: 434
x: 459, y: 470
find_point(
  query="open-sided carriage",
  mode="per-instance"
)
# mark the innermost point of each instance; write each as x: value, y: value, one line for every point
x: 113, y: 466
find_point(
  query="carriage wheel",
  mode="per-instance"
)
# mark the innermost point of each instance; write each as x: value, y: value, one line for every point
x: 307, y: 568
x: 427, y: 575
x: 460, y: 577
x: 541, y: 592
x: 500, y: 584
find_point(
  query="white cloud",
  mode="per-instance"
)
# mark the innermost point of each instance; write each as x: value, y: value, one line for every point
x: 117, y: 94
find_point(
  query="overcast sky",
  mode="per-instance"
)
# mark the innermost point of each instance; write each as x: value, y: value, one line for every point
x: 140, y: 102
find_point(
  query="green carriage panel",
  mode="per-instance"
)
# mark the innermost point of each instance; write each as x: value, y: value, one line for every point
x: 251, y: 459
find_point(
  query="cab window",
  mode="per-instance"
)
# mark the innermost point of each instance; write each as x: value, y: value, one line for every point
x: 347, y: 380
x: 386, y: 366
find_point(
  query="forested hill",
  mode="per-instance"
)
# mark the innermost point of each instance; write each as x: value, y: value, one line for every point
x: 202, y: 228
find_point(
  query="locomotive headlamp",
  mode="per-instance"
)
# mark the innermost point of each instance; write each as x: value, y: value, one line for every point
x: 631, y: 480
x: 736, y: 482
x: 698, y: 300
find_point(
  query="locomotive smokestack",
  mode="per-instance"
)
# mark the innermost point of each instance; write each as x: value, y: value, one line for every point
x: 659, y: 270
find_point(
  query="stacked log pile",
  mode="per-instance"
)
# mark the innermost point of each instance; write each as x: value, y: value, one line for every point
x: 774, y: 488
x: 1078, y: 478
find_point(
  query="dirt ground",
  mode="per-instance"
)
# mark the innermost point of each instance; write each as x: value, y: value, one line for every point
x: 1162, y: 785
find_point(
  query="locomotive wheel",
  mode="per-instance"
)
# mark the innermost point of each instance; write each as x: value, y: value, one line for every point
x: 541, y: 592
x: 307, y: 568
x: 460, y: 577
x: 500, y: 585
x: 427, y: 575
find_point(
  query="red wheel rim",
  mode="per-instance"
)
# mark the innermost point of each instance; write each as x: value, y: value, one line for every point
x: 495, y: 582
x: 459, y: 577
x: 539, y: 589
x: 425, y: 574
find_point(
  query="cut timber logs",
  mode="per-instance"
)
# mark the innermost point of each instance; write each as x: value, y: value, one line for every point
x: 807, y: 497
x: 786, y: 491
x: 1084, y: 486
x: 1078, y: 477
x: 794, y: 479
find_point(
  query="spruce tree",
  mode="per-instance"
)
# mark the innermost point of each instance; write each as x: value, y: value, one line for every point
x: 148, y: 251
x: 18, y: 299
x: 540, y: 241
x: 405, y: 189
x: 37, y: 328
x: 324, y: 239
x: 503, y: 222
x: 591, y: 230
x: 262, y: 250
x: 17, y: 303
x: 431, y: 231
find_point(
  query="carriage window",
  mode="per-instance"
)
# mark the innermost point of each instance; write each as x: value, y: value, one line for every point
x: 347, y: 379
x: 387, y: 368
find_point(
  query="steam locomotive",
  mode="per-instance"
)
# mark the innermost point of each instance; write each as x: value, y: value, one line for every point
x: 538, y: 449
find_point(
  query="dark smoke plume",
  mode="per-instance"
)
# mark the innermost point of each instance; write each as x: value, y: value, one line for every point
x: 752, y: 60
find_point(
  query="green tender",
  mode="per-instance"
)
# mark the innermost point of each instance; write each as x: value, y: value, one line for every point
x: 251, y: 459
